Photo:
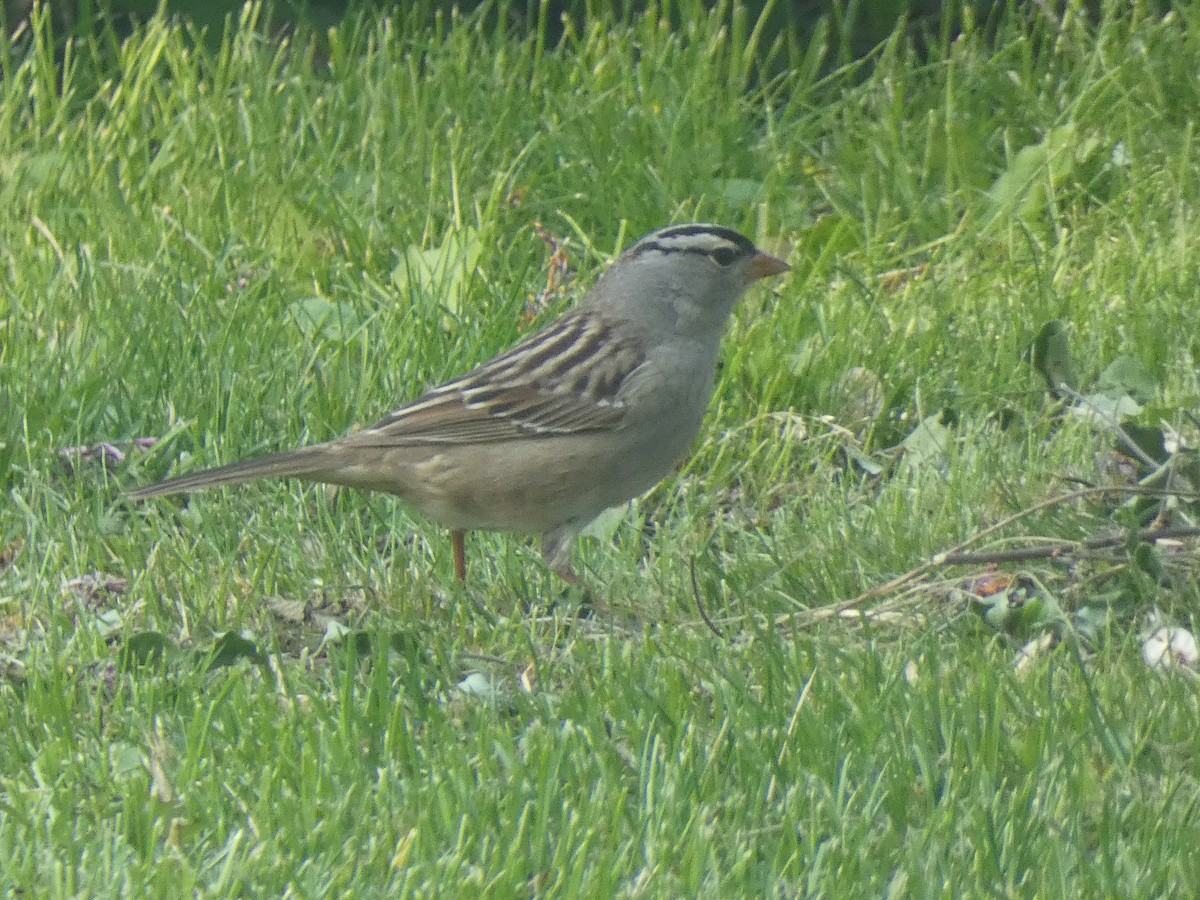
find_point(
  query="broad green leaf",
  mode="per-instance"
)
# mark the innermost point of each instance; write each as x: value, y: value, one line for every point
x: 1091, y: 621
x: 740, y: 192
x: 1126, y: 375
x: 109, y: 622
x: 927, y: 444
x: 321, y: 319
x: 1145, y: 556
x: 440, y: 273
x: 35, y: 169
x: 867, y: 463
x: 1150, y: 440
x: 1050, y: 354
x: 145, y: 648
x: 335, y: 631
x: 229, y: 647
x: 125, y: 759
x: 1103, y: 408
x: 1020, y: 191
x: 605, y: 525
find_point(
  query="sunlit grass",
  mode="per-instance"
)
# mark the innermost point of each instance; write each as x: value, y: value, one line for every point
x: 222, y: 248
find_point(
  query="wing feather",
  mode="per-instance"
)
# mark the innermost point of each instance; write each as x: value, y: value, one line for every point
x: 565, y: 379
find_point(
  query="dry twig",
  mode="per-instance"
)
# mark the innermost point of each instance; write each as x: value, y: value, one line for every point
x: 957, y: 555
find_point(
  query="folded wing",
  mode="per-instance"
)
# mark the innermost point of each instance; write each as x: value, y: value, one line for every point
x: 563, y: 380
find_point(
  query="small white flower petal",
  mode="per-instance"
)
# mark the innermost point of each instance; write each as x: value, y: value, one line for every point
x: 1169, y: 647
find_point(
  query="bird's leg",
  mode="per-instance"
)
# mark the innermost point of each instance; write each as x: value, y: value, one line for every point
x: 567, y: 574
x: 556, y: 551
x: 557, y: 546
x: 459, y: 543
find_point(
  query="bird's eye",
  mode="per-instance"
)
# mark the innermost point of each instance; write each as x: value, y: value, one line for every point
x: 723, y: 256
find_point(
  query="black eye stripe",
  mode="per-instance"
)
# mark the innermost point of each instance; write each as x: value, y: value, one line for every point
x: 672, y: 248
x: 724, y: 256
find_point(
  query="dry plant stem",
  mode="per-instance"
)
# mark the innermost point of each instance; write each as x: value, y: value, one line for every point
x: 939, y: 559
x: 700, y: 604
x: 1064, y: 548
x: 458, y: 542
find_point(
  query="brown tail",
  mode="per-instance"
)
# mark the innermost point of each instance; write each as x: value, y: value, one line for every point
x: 306, y: 462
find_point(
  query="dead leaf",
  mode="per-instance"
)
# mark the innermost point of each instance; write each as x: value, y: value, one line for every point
x: 95, y: 589
x: 104, y: 453
x: 558, y: 276
x: 9, y: 554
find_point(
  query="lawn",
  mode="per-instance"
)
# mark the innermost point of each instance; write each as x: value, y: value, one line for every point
x: 217, y: 248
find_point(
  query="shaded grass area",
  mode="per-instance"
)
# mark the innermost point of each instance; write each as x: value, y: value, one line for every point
x: 241, y: 249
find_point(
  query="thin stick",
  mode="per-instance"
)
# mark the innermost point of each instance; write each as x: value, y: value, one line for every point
x: 1065, y: 548
x: 939, y: 559
x: 458, y: 541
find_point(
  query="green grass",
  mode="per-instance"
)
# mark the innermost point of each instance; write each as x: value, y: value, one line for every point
x: 241, y: 249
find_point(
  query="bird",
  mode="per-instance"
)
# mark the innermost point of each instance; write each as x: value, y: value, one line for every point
x: 585, y: 414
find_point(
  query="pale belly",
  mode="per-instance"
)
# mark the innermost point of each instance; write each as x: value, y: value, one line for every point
x: 531, y: 486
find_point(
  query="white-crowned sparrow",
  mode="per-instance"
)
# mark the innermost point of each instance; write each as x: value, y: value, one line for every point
x: 585, y: 414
